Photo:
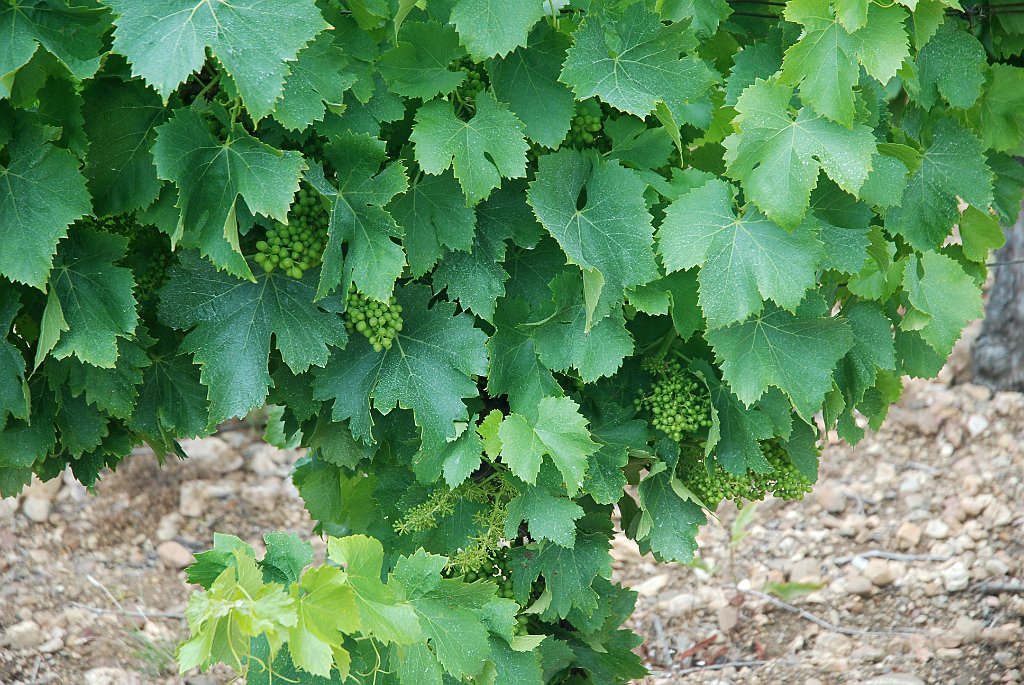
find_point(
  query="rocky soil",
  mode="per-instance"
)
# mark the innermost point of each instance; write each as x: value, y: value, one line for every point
x: 906, y: 566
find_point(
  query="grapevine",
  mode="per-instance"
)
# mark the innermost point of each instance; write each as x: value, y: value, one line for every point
x: 516, y: 280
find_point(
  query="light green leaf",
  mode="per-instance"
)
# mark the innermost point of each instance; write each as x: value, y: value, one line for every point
x: 999, y: 113
x: 326, y: 608
x: 74, y: 35
x: 942, y: 293
x: 482, y: 151
x: 980, y: 234
x: 495, y: 27
x: 550, y: 516
x: 952, y: 65
x: 743, y: 260
x: 166, y: 40
x: 317, y: 79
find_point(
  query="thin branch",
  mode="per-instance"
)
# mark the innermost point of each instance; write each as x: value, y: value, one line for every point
x: 125, y: 612
x: 999, y: 588
x: 831, y: 627
x: 893, y: 556
x: 733, y: 664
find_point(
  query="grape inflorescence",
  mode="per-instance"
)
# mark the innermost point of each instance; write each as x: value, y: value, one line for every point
x: 587, y: 124
x: 678, y: 403
x: 475, y: 83
x: 380, y: 322
x: 298, y: 246
x: 784, y: 480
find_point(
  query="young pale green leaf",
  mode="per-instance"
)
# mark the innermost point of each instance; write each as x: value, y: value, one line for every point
x: 953, y: 168
x: 41, y: 193
x: 559, y: 432
x: 426, y: 370
x: 495, y: 27
x: 527, y: 80
x: 359, y: 220
x: 794, y: 352
x: 120, y: 120
x: 634, y: 61
x: 482, y: 151
x: 166, y: 41
x: 434, y: 215
x: 777, y: 158
x: 420, y: 65
x: 999, y: 113
x: 951, y: 65
x: 93, y: 296
x: 232, y: 322
x: 743, y: 261
x: 944, y: 294
x: 596, y: 212
x: 317, y: 79
x: 980, y: 234
x: 325, y: 606
x: 212, y: 175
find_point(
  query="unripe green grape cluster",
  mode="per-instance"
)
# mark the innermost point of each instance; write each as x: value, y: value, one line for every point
x: 586, y: 125
x: 678, y: 403
x: 149, y: 255
x: 784, y: 480
x: 474, y: 83
x: 380, y: 322
x: 298, y: 246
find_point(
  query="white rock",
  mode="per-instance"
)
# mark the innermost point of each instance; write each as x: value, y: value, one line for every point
x: 169, y: 526
x: 857, y: 584
x: 174, y: 554
x: 968, y: 629
x: 955, y: 578
x: 45, y: 490
x: 937, y: 529
x: 652, y: 586
x: 24, y: 635
x: 267, y: 461
x: 910, y: 484
x: 192, y: 499
x: 881, y: 572
x: 211, y: 456
x: 54, y: 644
x: 831, y: 499
x: 728, y: 617
x: 908, y: 535
x: 110, y: 676
x: 36, y: 509
x: 976, y: 425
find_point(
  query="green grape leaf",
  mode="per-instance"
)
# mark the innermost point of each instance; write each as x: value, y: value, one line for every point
x: 777, y: 158
x: 515, y: 369
x: 569, y: 573
x: 93, y: 297
x: 944, y: 297
x: 419, y: 66
x: 952, y: 167
x: 14, y: 391
x: 559, y: 432
x: 121, y: 118
x: 951, y: 65
x: 873, y: 350
x: 482, y: 151
x: 634, y: 61
x: 794, y: 352
x: 359, y: 221
x: 615, y: 429
x: 426, y: 370
x: 211, y: 176
x: 72, y: 34
x: 456, y: 632
x: 41, y: 193
x: 495, y: 27
x: 317, y: 80
x: 743, y: 260
x: 231, y: 324
x: 326, y: 608
x: 998, y: 115
x: 705, y: 15
x: 550, y: 516
x: 166, y: 41
x: 527, y: 79
x: 457, y: 459
x: 596, y: 212
x: 287, y: 554
x: 115, y: 390
x: 434, y: 215
x: 824, y: 62
x: 980, y: 234
x: 671, y: 520
x: 171, y: 403
x: 383, y: 612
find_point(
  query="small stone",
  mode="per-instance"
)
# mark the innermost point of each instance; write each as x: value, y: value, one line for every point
x: 200, y: 680
x: 806, y: 570
x: 881, y: 573
x: 682, y: 604
x: 976, y: 425
x: 831, y: 499
x: 937, y: 529
x: 169, y: 526
x: 908, y: 535
x: 652, y: 586
x: 24, y: 635
x: 955, y: 578
x: 1003, y: 658
x: 895, y: 679
x: 54, y: 644
x: 106, y: 675
x: 728, y: 617
x: 857, y: 584
x: 211, y: 456
x: 996, y: 567
x: 266, y: 461
x: 44, y: 489
x: 834, y: 644
x: 968, y: 629
x: 192, y: 499
x: 36, y: 509
x: 1007, y: 633
x: 944, y: 653
x: 174, y: 555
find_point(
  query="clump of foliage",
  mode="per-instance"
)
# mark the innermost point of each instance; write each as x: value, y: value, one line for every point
x: 504, y: 268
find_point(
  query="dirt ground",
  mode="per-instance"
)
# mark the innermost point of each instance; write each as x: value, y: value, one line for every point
x: 905, y: 567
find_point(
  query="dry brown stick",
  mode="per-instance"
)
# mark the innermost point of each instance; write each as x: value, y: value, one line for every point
x: 822, y: 622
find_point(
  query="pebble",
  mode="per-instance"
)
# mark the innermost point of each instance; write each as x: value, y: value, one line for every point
x: 54, y: 644
x: 106, y: 675
x: 169, y: 526
x: 211, y: 456
x: 955, y: 578
x: 831, y: 499
x: 881, y: 572
x: 24, y: 635
x: 908, y: 535
x: 857, y: 584
x: 968, y: 629
x: 174, y: 554
x: 976, y: 425
x: 192, y: 499
x: 652, y: 586
x: 937, y: 529
x: 728, y: 618
x: 36, y: 509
